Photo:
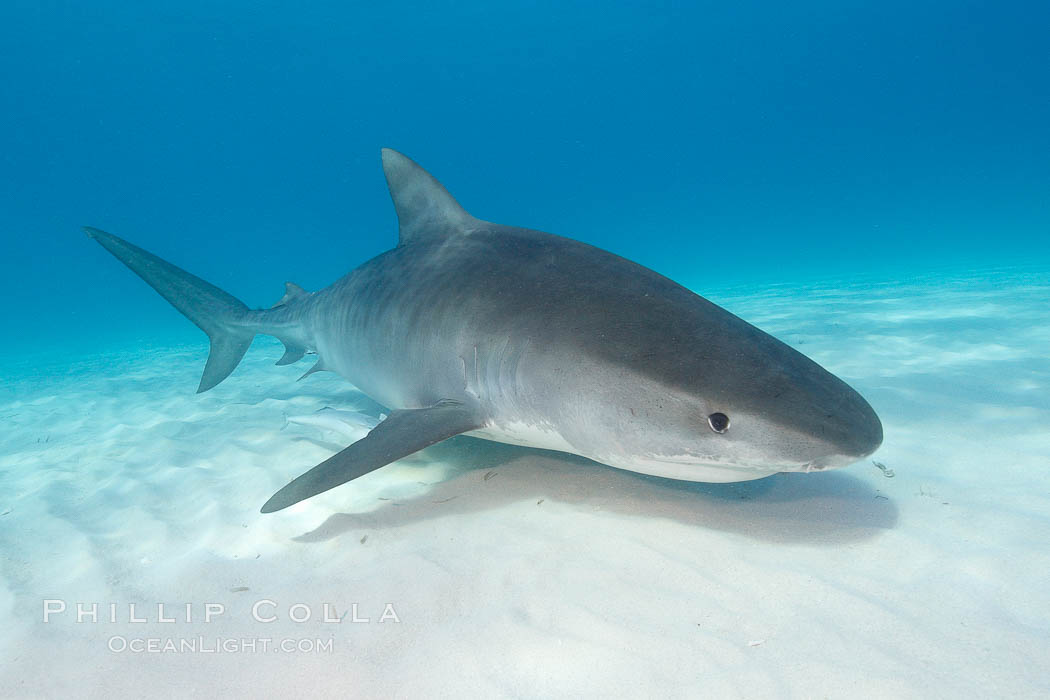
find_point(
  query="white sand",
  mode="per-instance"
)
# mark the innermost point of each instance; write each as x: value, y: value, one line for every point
x: 553, y: 577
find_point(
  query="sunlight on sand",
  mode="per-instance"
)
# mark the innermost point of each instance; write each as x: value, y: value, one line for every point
x: 525, y: 573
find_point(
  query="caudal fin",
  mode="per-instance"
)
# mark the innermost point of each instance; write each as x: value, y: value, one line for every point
x: 215, y: 312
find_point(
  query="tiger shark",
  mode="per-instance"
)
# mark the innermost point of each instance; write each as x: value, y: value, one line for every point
x: 528, y: 338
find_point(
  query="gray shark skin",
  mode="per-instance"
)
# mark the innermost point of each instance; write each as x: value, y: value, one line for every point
x: 529, y: 338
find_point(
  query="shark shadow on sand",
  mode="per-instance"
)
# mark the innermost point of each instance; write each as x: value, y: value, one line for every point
x: 829, y: 509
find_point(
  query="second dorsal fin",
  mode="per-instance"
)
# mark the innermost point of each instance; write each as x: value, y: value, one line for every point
x: 424, y: 207
x: 291, y: 291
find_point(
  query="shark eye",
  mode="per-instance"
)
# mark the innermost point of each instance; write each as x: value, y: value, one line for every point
x: 719, y: 422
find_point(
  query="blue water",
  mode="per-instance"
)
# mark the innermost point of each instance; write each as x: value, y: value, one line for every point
x: 870, y: 182
x: 715, y: 143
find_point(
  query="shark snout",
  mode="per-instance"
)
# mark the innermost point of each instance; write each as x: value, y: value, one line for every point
x: 856, y: 432
x: 862, y: 440
x: 866, y: 436
x: 836, y: 426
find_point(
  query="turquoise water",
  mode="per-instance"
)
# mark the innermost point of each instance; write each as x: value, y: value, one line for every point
x: 868, y: 182
x: 744, y: 142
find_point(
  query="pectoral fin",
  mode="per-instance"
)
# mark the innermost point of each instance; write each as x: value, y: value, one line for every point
x: 401, y: 434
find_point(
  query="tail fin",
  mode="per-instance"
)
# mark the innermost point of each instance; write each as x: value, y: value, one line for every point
x: 214, y: 311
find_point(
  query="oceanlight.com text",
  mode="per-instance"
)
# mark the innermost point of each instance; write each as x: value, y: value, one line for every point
x: 218, y: 645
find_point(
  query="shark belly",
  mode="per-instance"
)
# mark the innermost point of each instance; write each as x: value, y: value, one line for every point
x: 525, y: 434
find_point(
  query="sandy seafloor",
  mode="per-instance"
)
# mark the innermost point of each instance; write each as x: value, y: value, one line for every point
x: 518, y: 573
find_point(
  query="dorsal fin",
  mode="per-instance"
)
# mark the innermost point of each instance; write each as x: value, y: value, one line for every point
x: 424, y: 207
x: 291, y: 291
